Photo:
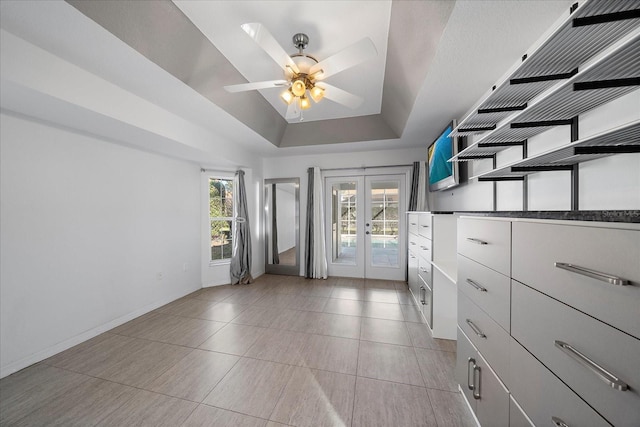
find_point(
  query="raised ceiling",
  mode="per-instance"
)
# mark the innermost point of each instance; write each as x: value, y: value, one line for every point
x: 436, y: 58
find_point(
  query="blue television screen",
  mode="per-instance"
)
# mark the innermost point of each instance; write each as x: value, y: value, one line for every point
x: 442, y: 173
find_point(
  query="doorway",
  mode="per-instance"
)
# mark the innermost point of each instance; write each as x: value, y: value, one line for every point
x: 365, y: 226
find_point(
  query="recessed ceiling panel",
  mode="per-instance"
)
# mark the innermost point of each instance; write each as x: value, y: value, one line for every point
x: 331, y: 27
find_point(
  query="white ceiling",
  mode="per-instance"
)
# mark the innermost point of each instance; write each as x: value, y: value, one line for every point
x: 479, y: 41
x: 330, y: 26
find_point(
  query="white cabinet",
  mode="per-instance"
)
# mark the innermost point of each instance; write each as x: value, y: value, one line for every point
x: 432, y: 270
x: 561, y: 338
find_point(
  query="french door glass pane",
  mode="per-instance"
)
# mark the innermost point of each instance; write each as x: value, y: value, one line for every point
x: 343, y: 222
x: 384, y: 223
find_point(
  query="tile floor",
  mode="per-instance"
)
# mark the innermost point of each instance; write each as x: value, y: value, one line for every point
x: 281, y: 351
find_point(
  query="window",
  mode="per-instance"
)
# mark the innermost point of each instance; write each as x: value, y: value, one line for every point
x: 221, y: 217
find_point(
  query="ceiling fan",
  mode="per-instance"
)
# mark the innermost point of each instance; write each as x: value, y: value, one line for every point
x: 304, y: 74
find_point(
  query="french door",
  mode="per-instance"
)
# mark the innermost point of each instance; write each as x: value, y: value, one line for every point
x: 365, y: 226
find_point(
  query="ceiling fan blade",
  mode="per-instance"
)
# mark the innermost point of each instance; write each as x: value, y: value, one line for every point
x: 340, y: 96
x: 256, y: 85
x: 266, y: 41
x: 348, y: 57
x: 293, y: 110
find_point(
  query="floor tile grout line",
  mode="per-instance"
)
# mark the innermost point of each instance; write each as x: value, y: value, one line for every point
x: 355, y: 383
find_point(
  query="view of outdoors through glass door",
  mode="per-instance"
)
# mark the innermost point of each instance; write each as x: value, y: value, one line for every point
x: 364, y: 220
x: 384, y: 223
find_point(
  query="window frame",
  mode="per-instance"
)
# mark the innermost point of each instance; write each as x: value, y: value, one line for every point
x: 232, y: 219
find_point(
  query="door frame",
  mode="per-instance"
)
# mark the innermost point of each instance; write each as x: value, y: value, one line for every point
x: 358, y: 174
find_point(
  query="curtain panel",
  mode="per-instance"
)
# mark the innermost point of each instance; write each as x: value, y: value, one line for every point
x: 241, y: 257
x: 315, y: 253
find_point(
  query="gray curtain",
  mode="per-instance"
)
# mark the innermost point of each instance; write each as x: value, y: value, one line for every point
x: 241, y: 258
x: 308, y: 258
x: 415, y: 181
x: 275, y: 252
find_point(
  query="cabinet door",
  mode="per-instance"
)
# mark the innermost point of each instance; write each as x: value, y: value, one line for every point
x: 492, y: 408
x: 466, y: 357
x: 412, y: 272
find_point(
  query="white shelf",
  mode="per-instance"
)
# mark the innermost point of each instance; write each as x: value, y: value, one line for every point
x: 582, y: 34
x: 620, y: 66
x: 625, y: 138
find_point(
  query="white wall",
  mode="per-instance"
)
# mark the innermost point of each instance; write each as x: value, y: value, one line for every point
x: 92, y: 235
x: 610, y: 183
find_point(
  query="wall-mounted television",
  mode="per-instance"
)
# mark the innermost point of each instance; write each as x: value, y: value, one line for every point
x: 442, y: 173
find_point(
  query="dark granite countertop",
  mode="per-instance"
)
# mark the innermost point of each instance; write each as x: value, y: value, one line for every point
x: 604, y: 216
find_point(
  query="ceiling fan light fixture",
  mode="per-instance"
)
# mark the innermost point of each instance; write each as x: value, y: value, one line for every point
x: 304, y: 103
x: 317, y: 93
x: 287, y: 96
x: 298, y: 87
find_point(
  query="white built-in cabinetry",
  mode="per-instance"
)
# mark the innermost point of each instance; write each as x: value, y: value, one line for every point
x: 432, y: 270
x: 549, y: 321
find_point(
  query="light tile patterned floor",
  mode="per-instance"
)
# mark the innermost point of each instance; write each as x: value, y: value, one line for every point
x: 281, y: 351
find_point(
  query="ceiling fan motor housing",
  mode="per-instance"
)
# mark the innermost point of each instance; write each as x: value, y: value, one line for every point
x: 300, y: 41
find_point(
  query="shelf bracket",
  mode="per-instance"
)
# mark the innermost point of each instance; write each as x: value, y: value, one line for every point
x: 502, y: 109
x: 500, y: 178
x: 606, y: 17
x: 548, y: 77
x: 501, y: 144
x: 616, y: 149
x: 542, y: 123
x: 477, y: 129
x: 607, y: 84
x: 476, y: 157
x: 544, y: 168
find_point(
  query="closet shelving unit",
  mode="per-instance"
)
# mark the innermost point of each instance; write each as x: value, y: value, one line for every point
x: 622, y: 139
x: 589, y: 58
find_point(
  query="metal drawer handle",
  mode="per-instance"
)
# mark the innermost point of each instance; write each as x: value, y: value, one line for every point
x: 604, y: 277
x: 558, y: 422
x: 424, y: 270
x: 476, y: 384
x: 423, y: 297
x: 603, y: 374
x: 470, y: 361
x: 424, y: 248
x: 425, y: 226
x: 477, y: 331
x: 477, y: 241
x: 477, y: 286
x: 413, y: 243
x: 414, y: 223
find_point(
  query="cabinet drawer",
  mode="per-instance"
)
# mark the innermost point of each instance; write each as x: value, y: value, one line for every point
x: 541, y: 323
x: 543, y: 396
x: 425, y: 301
x: 414, y: 240
x: 517, y: 418
x: 487, y: 242
x: 493, y: 404
x: 485, y: 334
x: 466, y: 355
x: 424, y: 225
x: 488, y: 289
x: 537, y: 247
x: 413, y: 223
x: 423, y: 248
x: 424, y: 270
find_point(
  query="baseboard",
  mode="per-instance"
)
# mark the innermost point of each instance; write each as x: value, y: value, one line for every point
x: 64, y: 345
